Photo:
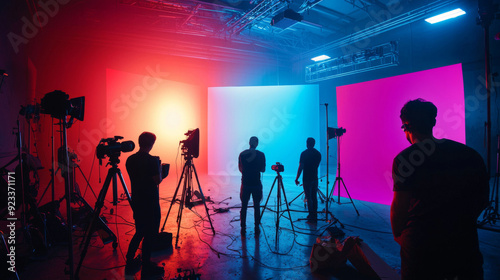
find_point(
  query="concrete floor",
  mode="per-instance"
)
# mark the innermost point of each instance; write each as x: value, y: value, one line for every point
x: 230, y: 255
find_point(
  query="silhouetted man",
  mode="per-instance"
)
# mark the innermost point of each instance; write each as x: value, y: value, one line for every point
x: 440, y: 188
x: 309, y: 163
x: 251, y: 163
x: 144, y: 171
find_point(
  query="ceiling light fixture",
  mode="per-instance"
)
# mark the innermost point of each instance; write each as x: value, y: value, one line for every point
x: 451, y: 14
x: 320, y: 58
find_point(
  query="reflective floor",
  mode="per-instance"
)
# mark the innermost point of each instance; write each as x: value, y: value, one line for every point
x: 231, y: 254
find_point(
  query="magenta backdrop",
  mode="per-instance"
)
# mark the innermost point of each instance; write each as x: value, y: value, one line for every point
x: 370, y: 113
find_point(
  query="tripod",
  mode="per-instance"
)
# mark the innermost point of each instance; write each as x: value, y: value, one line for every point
x: 321, y: 195
x: 339, y: 179
x: 113, y: 173
x: 491, y: 215
x: 187, y: 176
x: 279, y: 179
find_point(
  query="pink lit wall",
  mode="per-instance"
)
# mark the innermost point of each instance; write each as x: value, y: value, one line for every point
x: 370, y: 113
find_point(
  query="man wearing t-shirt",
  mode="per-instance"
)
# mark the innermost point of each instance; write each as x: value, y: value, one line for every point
x: 251, y: 163
x: 440, y: 188
x: 309, y: 163
x: 144, y: 172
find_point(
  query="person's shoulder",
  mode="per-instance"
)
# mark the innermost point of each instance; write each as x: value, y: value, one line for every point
x: 406, y: 151
x: 131, y: 159
x: 454, y: 146
x: 467, y: 151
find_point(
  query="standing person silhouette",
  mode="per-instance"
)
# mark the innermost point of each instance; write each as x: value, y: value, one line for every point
x: 309, y: 163
x: 440, y: 189
x: 251, y: 163
x: 145, y: 175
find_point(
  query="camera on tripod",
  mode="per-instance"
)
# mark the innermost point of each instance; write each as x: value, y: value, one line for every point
x: 112, y: 148
x: 278, y: 167
x: 191, y: 146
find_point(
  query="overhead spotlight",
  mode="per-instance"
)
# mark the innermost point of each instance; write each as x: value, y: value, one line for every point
x: 320, y: 58
x: 444, y: 16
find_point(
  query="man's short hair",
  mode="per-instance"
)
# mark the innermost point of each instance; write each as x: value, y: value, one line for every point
x: 420, y: 115
x: 147, y: 140
x: 310, y: 142
x: 254, y: 141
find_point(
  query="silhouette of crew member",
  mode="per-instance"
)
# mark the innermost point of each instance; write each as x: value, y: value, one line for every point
x: 309, y: 163
x: 145, y: 175
x: 251, y: 163
x: 440, y: 189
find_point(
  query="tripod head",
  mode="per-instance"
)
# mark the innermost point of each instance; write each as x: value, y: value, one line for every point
x: 113, y: 161
x: 188, y: 157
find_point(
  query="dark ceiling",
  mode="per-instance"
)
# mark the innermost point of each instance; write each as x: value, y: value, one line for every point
x: 234, y: 30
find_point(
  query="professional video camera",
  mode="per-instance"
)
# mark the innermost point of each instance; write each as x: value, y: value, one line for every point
x: 278, y: 167
x: 335, y: 132
x: 191, y: 146
x: 112, y: 148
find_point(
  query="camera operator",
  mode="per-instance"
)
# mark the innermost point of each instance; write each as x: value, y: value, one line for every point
x: 440, y: 189
x: 309, y: 163
x: 251, y: 163
x: 145, y: 174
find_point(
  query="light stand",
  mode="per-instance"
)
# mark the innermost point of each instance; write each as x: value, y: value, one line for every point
x: 58, y: 105
x: 67, y: 187
x: 279, y: 179
x: 53, y: 171
x: 491, y: 215
x: 187, y: 176
x: 487, y: 12
x: 24, y: 210
x: 327, y: 168
x: 339, y: 179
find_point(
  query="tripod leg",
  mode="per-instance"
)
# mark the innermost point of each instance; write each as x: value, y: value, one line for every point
x: 47, y: 188
x: 203, y: 198
x: 173, y: 198
x: 97, y: 210
x: 296, y: 198
x: 265, y: 205
x: 182, y: 202
x: 278, y: 212
x: 349, y: 196
x: 129, y: 198
x: 321, y: 196
x: 333, y: 189
x: 287, y: 208
x: 88, y: 183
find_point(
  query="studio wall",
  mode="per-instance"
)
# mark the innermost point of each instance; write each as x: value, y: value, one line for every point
x: 370, y: 113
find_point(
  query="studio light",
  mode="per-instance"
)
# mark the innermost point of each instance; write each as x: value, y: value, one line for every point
x: 451, y: 14
x: 320, y: 58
